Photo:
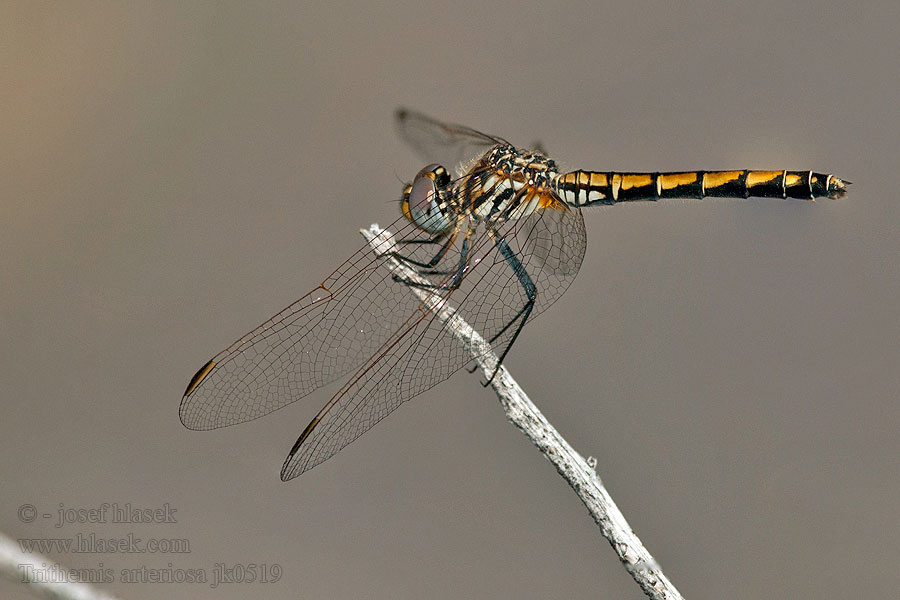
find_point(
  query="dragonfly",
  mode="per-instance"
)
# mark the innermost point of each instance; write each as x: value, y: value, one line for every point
x: 501, y: 238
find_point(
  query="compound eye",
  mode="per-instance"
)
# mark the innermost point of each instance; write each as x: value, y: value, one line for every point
x: 422, y: 204
x: 436, y: 173
x: 422, y: 195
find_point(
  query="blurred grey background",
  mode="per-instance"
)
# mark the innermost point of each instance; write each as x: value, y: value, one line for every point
x: 175, y: 173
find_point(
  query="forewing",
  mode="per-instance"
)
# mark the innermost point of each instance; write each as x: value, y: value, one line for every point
x: 320, y: 337
x: 442, y: 143
x: 422, y: 353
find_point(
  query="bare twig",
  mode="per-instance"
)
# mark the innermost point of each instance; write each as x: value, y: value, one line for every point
x: 525, y: 415
x: 42, y: 575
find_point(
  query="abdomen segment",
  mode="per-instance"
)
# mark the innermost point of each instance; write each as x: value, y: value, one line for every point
x: 583, y: 188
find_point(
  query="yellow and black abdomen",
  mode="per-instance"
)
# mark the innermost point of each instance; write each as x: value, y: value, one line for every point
x: 583, y: 188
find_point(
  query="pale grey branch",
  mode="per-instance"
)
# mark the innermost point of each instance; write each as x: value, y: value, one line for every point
x: 525, y: 415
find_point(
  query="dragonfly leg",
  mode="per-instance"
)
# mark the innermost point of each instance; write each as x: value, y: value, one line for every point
x: 445, y: 246
x: 523, y: 314
x: 432, y: 240
x: 457, y: 278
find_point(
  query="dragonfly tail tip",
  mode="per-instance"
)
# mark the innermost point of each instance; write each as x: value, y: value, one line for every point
x: 837, y: 188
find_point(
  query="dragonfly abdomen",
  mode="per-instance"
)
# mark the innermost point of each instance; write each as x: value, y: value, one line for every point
x: 583, y: 188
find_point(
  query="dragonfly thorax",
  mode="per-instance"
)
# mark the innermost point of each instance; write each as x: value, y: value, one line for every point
x: 508, y: 183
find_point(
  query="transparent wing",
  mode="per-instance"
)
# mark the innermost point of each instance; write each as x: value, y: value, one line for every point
x: 421, y: 354
x: 442, y: 143
x: 317, y: 339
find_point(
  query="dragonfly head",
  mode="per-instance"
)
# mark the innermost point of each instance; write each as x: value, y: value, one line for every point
x: 423, y: 201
